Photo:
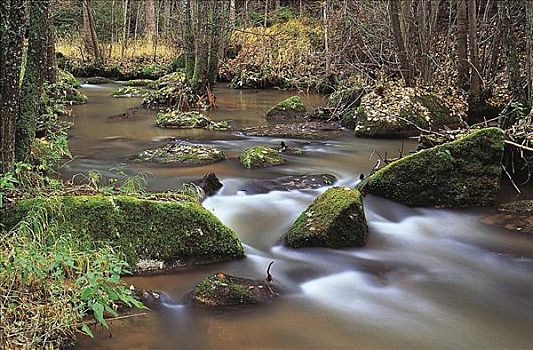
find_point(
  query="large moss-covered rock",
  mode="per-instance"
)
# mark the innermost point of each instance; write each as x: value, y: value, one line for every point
x: 176, y: 119
x: 397, y: 112
x: 130, y: 91
x: 67, y: 77
x: 167, y: 231
x: 139, y: 82
x: 286, y: 109
x: 462, y: 173
x: 97, y: 80
x: 260, y: 157
x: 336, y: 219
x: 181, y: 153
x: 224, y: 290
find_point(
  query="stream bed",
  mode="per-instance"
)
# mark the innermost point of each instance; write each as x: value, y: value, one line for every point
x: 427, y: 278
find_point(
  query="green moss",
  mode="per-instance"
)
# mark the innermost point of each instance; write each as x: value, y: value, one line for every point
x: 66, y: 77
x: 183, y: 154
x: 166, y: 80
x: 130, y: 91
x: 336, y: 219
x: 462, y: 173
x: 139, y: 82
x: 188, y: 120
x: 290, y: 107
x: 224, y: 290
x: 141, y: 229
x: 523, y: 207
x: 260, y: 157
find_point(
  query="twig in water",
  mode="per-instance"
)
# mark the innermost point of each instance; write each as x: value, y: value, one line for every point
x: 269, y: 276
x: 510, y: 178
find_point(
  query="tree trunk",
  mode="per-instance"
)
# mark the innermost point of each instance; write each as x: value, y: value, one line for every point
x: 529, y: 36
x: 188, y: 40
x: 475, y: 78
x: 149, y: 20
x: 88, y: 6
x: 34, y: 77
x: 232, y: 16
x: 199, y: 79
x: 12, y: 26
x: 51, y: 64
x: 399, y: 40
x: 216, y: 35
x: 124, y: 29
x: 325, y: 20
x: 461, y: 38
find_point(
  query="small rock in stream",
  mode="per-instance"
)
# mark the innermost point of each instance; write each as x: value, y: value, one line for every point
x: 209, y: 183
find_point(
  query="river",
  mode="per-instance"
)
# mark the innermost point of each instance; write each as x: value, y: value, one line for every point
x: 427, y: 278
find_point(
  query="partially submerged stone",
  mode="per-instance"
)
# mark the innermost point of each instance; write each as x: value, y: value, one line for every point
x: 297, y: 130
x: 286, y: 109
x: 336, y: 219
x: 462, y: 173
x: 260, y: 157
x: 139, y: 82
x: 515, y: 216
x: 181, y: 153
x: 97, y: 80
x: 289, y: 183
x: 224, y: 290
x: 130, y: 91
x: 397, y: 112
x: 176, y: 119
x: 209, y: 183
x: 67, y: 77
x: 171, y: 232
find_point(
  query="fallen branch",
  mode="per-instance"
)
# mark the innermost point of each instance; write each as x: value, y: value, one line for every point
x: 523, y: 147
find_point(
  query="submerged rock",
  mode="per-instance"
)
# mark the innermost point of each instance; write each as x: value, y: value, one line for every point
x: 286, y: 109
x: 189, y: 120
x: 209, y: 183
x: 224, y: 290
x: 167, y: 231
x: 397, y: 112
x: 260, y: 157
x: 515, y: 216
x: 185, y: 154
x: 139, y: 82
x: 336, y: 219
x: 289, y: 183
x: 130, y: 91
x: 97, y: 80
x: 303, y: 130
x: 462, y: 173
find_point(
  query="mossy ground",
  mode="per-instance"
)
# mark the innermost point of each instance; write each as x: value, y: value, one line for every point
x: 462, y: 173
x: 96, y: 80
x: 189, y: 120
x: 260, y: 157
x: 130, y: 91
x: 166, y: 231
x: 224, y: 290
x: 336, y: 219
x: 184, y: 154
x: 139, y: 82
x: 290, y: 107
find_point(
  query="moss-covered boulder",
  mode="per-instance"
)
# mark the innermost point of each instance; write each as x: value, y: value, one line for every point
x: 67, y: 77
x: 168, y: 231
x: 224, y: 290
x: 97, y: 80
x: 139, y: 82
x: 182, y: 154
x: 396, y: 112
x: 462, y: 173
x: 260, y: 157
x: 286, y: 109
x: 336, y: 219
x: 176, y: 119
x: 174, y: 78
x: 130, y: 91
x: 515, y: 216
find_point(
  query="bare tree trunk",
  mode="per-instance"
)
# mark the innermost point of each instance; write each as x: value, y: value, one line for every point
x: 51, y: 64
x: 475, y: 78
x: 199, y: 79
x: 12, y: 27
x: 529, y: 36
x: 232, y: 16
x: 462, y: 47
x: 216, y: 35
x: 92, y: 31
x: 188, y: 40
x: 149, y: 20
x: 325, y: 20
x: 34, y: 78
x: 399, y: 40
x: 124, y: 28
x: 112, y: 28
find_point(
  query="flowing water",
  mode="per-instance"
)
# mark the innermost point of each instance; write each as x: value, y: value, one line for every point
x: 426, y: 279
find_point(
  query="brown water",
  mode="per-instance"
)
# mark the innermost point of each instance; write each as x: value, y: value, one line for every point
x: 426, y: 279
